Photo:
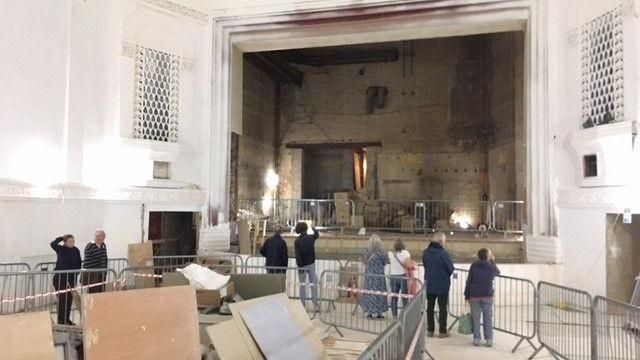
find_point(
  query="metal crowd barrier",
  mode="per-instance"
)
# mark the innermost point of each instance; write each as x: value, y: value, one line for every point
x: 635, y: 297
x: 221, y: 262
x: 564, y: 321
x: 116, y: 264
x: 349, y: 294
x: 387, y: 345
x: 14, y: 267
x: 514, y: 305
x: 616, y: 330
x: 53, y: 291
x: 508, y: 216
x: 404, y: 215
x: 414, y: 329
x: 325, y: 213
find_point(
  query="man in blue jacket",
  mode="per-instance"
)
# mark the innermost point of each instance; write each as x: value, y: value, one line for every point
x: 438, y: 268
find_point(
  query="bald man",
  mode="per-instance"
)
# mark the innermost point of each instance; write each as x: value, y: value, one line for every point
x: 95, y: 257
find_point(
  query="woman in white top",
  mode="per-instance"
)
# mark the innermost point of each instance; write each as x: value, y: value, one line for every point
x: 397, y: 269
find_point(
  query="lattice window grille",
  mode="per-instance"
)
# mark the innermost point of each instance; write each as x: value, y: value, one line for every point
x: 157, y: 93
x: 602, y: 69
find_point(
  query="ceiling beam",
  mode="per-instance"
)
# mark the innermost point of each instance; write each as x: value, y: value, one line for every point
x: 276, y: 66
x: 333, y: 145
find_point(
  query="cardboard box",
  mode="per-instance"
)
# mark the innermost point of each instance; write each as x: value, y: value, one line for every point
x: 220, y: 266
x: 206, y: 298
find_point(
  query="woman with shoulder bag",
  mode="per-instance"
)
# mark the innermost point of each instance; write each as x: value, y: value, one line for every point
x: 398, y: 259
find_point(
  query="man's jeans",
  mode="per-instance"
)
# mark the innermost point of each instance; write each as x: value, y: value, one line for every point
x: 485, y: 308
x: 310, y: 271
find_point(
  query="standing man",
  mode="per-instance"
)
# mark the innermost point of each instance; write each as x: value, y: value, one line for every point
x: 275, y: 250
x: 95, y: 257
x: 306, y: 261
x: 438, y: 268
x: 67, y: 260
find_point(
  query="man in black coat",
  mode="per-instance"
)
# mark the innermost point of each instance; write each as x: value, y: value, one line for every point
x: 68, y: 258
x: 275, y: 250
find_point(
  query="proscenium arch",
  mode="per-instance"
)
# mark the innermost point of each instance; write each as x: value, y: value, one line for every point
x: 356, y: 24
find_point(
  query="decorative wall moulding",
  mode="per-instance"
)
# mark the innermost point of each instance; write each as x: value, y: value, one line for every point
x: 15, y: 190
x: 130, y: 50
x: 604, y: 155
x: 606, y: 198
x: 178, y: 9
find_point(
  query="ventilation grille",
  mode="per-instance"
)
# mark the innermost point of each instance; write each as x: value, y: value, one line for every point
x: 602, y: 69
x: 157, y: 84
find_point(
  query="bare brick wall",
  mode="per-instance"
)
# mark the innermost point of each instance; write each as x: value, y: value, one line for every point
x: 417, y: 159
x: 256, y: 144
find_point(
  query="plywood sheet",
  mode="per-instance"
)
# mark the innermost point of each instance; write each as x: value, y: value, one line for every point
x: 286, y: 343
x: 144, y: 324
x: 298, y: 313
x: 227, y: 341
x: 26, y: 336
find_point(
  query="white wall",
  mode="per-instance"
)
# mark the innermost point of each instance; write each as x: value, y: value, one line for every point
x: 62, y: 113
x: 34, y: 56
x: 30, y: 225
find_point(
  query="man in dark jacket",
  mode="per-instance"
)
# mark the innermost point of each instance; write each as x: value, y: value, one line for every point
x: 95, y: 257
x: 68, y: 259
x: 305, y: 259
x: 479, y: 292
x: 274, y: 250
x: 438, y: 268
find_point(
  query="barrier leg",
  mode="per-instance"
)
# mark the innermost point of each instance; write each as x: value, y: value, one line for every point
x: 535, y: 353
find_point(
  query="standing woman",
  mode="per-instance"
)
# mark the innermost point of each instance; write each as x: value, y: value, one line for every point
x: 398, y: 259
x: 374, y: 279
x: 68, y: 258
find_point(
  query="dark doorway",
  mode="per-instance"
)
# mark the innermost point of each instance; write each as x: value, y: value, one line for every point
x: 327, y: 171
x: 174, y: 233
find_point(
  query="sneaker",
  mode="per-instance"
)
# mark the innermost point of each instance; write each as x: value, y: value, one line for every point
x: 476, y: 342
x: 443, y: 335
x: 489, y: 343
x: 430, y: 334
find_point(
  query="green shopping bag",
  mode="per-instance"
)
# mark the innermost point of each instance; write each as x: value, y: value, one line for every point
x: 465, y: 324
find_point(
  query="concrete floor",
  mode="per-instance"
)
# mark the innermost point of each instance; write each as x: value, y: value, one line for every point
x: 455, y: 347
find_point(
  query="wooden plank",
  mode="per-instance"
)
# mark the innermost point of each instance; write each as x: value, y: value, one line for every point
x: 228, y: 342
x: 26, y: 336
x: 144, y: 324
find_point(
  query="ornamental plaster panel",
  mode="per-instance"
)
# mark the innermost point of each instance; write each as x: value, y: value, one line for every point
x: 13, y: 190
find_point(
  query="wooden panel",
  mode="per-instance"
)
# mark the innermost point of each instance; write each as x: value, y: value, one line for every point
x: 144, y: 324
x: 26, y: 336
x: 228, y: 342
x: 140, y: 255
x: 297, y: 311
